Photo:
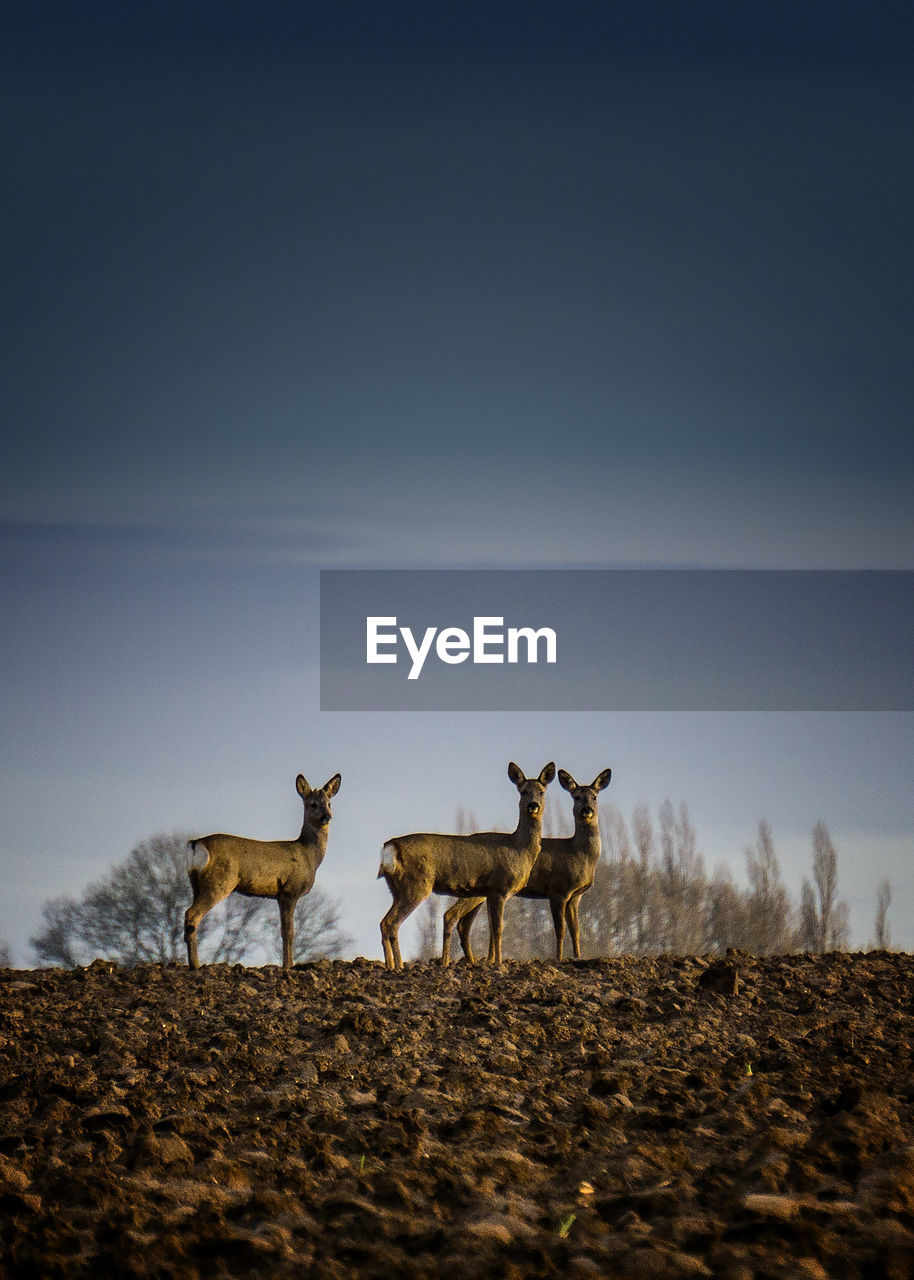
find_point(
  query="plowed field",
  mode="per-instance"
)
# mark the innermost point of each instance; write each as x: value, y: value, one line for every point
x: 619, y: 1118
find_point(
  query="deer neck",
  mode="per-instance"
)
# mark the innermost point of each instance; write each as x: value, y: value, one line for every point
x: 529, y: 830
x: 314, y: 837
x: 587, y: 838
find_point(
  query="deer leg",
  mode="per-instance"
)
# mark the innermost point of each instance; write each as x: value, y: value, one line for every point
x: 386, y: 942
x: 190, y: 938
x: 390, y: 927
x: 557, y: 907
x: 450, y: 916
x: 496, y: 905
x: 205, y: 898
x: 388, y: 949
x: 464, y: 925
x: 389, y: 939
x: 287, y: 928
x: 574, y: 928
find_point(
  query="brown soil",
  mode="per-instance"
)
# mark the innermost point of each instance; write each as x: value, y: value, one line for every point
x: 658, y: 1119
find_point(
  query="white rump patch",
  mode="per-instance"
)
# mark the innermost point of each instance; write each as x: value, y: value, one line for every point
x: 389, y: 856
x: 198, y: 856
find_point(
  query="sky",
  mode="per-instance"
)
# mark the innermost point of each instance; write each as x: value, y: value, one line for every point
x: 345, y: 285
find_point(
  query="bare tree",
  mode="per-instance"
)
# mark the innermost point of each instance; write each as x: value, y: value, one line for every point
x: 135, y: 915
x: 883, y: 901
x: 810, y: 927
x: 6, y: 958
x: 644, y: 903
x: 824, y: 924
x: 59, y: 941
x: 682, y: 881
x: 640, y: 905
x: 727, y: 913
x: 768, y: 915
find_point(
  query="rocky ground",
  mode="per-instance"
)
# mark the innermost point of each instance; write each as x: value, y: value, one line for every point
x: 626, y: 1118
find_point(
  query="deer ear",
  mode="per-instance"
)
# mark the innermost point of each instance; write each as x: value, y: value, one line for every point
x: 602, y: 780
x: 516, y: 775
x: 332, y: 787
x: 301, y: 785
x: 547, y: 774
x: 566, y: 780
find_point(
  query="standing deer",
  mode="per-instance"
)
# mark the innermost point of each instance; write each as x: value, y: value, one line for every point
x: 280, y: 869
x: 492, y: 865
x: 563, y: 871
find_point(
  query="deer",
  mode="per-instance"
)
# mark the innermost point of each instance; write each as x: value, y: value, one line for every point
x: 563, y: 872
x: 490, y: 865
x: 280, y: 869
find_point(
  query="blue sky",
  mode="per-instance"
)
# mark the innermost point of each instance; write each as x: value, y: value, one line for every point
x: 347, y: 285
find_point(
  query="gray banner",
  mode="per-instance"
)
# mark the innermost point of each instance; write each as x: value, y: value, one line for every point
x: 617, y: 640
